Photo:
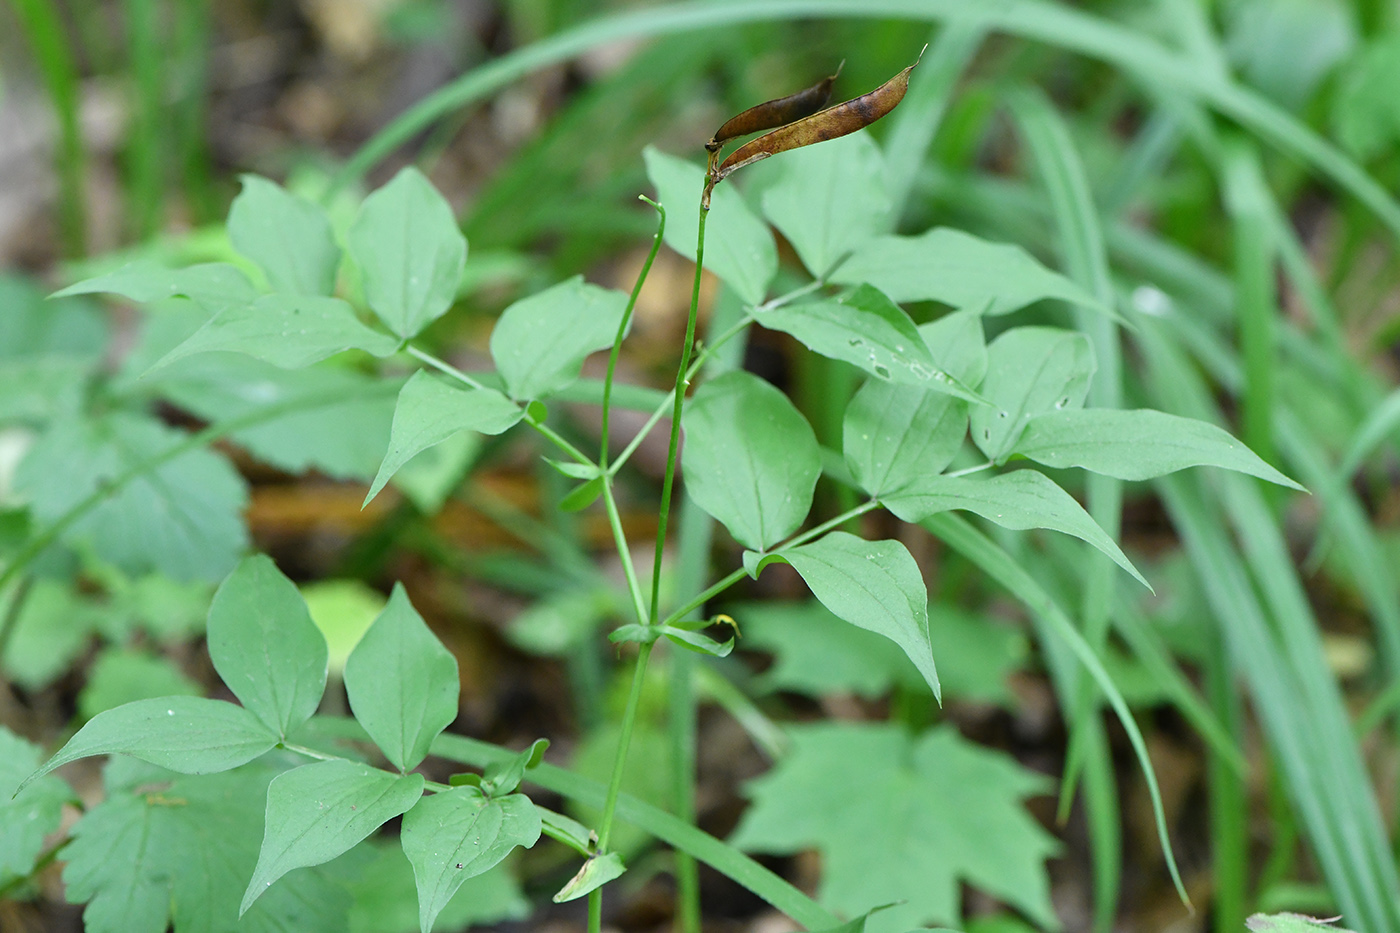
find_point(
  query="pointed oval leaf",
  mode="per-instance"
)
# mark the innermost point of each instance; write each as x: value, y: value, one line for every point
x: 892, y: 434
x: 540, y: 342
x: 1137, y: 445
x: 1020, y: 500
x: 874, y: 585
x: 287, y: 236
x: 213, y: 286
x: 458, y: 834
x: 191, y: 735
x: 958, y: 269
x: 290, y: 331
x: 402, y: 683
x: 429, y: 411
x: 750, y: 458
x: 1031, y: 370
x: 867, y: 330
x: 828, y: 200
x: 321, y: 810
x: 738, y: 247
x: 265, y: 646
x: 407, y: 243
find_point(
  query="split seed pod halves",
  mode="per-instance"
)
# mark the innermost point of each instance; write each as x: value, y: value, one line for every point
x: 799, y: 121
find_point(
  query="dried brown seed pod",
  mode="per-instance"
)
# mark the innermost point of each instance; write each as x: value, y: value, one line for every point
x: 831, y: 123
x: 777, y: 112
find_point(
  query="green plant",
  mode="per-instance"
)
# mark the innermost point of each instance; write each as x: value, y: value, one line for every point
x: 751, y: 462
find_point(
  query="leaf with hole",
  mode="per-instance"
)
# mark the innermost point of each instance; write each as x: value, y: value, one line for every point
x: 1031, y: 370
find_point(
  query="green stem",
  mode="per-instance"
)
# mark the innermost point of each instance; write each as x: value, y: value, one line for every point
x: 625, y: 554
x: 442, y: 366
x: 734, y: 577
x: 678, y: 401
x: 629, y: 719
x: 12, y: 611
x: 622, y: 330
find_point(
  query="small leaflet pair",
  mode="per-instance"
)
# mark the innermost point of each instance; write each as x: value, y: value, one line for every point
x: 799, y: 120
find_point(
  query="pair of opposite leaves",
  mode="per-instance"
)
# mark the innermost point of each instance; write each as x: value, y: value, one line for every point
x: 798, y: 120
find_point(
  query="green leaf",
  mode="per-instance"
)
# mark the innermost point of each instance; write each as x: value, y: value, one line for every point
x: 1365, y: 112
x: 1031, y: 370
x: 34, y: 326
x: 816, y: 653
x: 191, y: 735
x: 182, y: 518
x: 158, y: 852
x: 458, y: 834
x: 504, y: 777
x: 958, y: 269
x: 898, y: 818
x: 892, y: 434
x: 340, y: 430
x: 1291, y: 923
x: 750, y: 458
x: 265, y: 646
x: 738, y: 247
x: 540, y: 342
x: 1018, y: 500
x: 287, y: 236
x: 386, y: 898
x: 410, y: 252
x: 402, y: 683
x: 1136, y: 445
x: 123, y: 675
x: 828, y: 199
x: 53, y: 628
x: 596, y: 872
x: 38, y: 390
x: 867, y: 330
x: 874, y: 585
x: 27, y: 818
x: 286, y: 330
x: 958, y: 346
x: 213, y: 286
x: 320, y: 810
x: 429, y: 411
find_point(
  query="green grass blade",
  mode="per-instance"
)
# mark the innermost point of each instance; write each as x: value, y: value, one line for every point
x: 1149, y: 61
x: 43, y: 27
x: 996, y: 563
x: 1086, y: 259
